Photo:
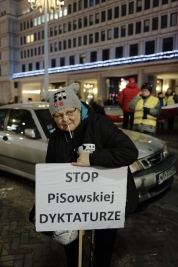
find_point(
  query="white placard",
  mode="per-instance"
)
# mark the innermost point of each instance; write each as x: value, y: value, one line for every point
x: 79, y: 198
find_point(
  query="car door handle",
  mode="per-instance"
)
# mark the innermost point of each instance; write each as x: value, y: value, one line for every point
x: 5, y: 138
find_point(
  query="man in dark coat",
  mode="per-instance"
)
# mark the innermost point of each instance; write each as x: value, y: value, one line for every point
x: 125, y: 96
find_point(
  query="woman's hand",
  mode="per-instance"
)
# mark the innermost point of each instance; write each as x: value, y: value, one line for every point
x: 83, y: 160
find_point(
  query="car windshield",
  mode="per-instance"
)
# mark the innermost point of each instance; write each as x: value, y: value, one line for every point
x: 46, y: 121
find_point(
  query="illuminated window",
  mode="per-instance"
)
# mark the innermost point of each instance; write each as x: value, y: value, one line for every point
x: 39, y: 20
x: 35, y: 21
x: 82, y: 58
x: 65, y: 11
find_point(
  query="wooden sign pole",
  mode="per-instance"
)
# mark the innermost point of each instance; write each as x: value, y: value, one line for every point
x: 80, y: 248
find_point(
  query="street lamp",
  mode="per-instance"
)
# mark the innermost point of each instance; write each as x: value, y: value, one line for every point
x: 42, y: 5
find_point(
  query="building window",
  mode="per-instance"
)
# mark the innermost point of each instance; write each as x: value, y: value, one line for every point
x: 131, y: 7
x: 168, y: 44
x: 123, y: 31
x: 37, y: 65
x: 133, y: 50
x: 96, y: 18
x: 74, y: 25
x: 102, y: 36
x: 150, y: 47
x: 93, y: 56
x: 69, y: 26
x: 130, y: 29
x: 53, y: 63
x: 24, y: 53
x: 62, y: 61
x: 103, y: 16
x: 91, y: 2
x: 116, y: 12
x: 74, y: 42
x: 28, y: 53
x: 139, y: 5
x: 163, y: 21
x: 82, y: 58
x: 105, y: 54
x: 119, y: 52
x: 39, y: 50
x: 80, y: 5
x: 69, y: 9
x: 85, y: 3
x: 146, y: 25
x: 138, y: 27
x: 79, y: 23
x: 30, y: 66
x: 60, y: 46
x: 90, y: 38
x: 42, y: 48
x: 85, y: 40
x: 64, y: 28
x: 91, y: 20
x: 96, y: 37
x: 85, y: 22
x: 60, y: 29
x: 51, y: 32
x: 31, y: 52
x: 109, y: 34
x: 35, y: 51
x: 21, y: 54
x: 109, y: 14
x: 51, y: 48
x: 123, y: 10
x: 74, y: 7
x: 23, y: 68
x: 164, y: 2
x: 64, y: 44
x: 147, y: 4
x: 154, y: 24
x: 42, y: 35
x: 79, y: 41
x: 55, y: 30
x: 173, y: 19
x: 69, y: 43
x: 116, y: 32
x: 155, y: 3
x: 71, y: 60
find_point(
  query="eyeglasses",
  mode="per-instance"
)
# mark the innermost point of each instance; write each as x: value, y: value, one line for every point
x: 60, y: 116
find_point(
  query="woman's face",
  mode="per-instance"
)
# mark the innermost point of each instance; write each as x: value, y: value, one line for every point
x: 67, y: 118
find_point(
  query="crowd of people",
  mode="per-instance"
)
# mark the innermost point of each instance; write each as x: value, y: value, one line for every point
x: 141, y: 108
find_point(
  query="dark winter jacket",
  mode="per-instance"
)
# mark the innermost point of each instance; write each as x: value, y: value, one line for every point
x: 126, y: 95
x: 113, y: 149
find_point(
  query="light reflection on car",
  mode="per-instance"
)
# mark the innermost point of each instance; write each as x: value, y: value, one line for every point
x: 24, y: 132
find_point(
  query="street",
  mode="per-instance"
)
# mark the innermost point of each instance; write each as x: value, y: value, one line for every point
x: 147, y: 239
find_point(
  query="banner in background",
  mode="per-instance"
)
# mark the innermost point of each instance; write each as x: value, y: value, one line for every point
x: 79, y: 198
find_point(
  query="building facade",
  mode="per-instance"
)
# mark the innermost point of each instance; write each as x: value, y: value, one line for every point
x: 98, y: 43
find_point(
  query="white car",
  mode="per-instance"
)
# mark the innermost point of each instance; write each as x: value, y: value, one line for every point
x: 24, y: 132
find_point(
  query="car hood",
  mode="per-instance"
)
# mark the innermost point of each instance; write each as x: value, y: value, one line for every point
x: 146, y: 145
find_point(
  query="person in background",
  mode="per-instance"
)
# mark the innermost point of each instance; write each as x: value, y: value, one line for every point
x: 160, y: 123
x: 77, y: 125
x: 126, y: 95
x: 11, y: 100
x: 30, y: 99
x: 147, y: 109
x: 171, y: 99
x: 98, y: 106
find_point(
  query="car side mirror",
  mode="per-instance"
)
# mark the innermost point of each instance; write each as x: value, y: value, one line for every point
x: 30, y: 133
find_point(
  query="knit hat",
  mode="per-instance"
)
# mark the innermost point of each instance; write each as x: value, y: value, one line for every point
x: 131, y: 80
x: 64, y: 98
x: 147, y: 86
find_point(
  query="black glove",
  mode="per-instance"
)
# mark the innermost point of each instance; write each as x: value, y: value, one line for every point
x: 145, y: 112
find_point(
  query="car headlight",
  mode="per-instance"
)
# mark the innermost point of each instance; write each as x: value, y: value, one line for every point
x: 135, y: 167
x: 165, y: 151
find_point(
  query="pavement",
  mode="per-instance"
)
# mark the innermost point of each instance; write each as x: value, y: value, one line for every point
x: 149, y: 238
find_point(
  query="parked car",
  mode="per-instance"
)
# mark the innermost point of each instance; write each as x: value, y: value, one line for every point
x: 24, y: 132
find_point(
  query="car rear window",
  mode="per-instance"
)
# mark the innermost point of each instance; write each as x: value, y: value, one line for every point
x: 3, y: 113
x: 46, y: 121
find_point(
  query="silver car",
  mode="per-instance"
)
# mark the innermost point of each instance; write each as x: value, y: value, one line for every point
x: 24, y: 132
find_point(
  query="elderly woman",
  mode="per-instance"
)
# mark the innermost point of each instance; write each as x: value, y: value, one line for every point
x: 78, y: 125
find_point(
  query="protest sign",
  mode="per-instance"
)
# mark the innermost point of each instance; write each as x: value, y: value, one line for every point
x: 79, y: 198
